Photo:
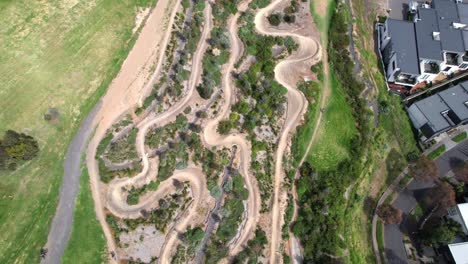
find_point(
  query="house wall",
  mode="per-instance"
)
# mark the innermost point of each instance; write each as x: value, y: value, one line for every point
x: 392, y: 68
x: 384, y: 37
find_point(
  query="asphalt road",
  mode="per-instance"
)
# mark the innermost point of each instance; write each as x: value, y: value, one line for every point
x: 61, y: 224
x: 406, y: 202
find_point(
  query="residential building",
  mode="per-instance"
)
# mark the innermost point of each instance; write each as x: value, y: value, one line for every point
x: 431, y: 46
x: 459, y: 214
x: 459, y: 252
x: 440, y: 112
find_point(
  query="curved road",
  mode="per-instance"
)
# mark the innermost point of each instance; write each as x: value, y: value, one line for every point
x: 393, y: 237
x: 63, y: 219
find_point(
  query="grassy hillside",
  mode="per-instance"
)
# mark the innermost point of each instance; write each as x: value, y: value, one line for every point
x: 60, y: 54
x: 335, y: 132
x: 367, y: 155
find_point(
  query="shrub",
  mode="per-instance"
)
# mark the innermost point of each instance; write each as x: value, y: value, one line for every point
x: 225, y: 126
x: 16, y: 147
x: 289, y: 19
x: 274, y: 19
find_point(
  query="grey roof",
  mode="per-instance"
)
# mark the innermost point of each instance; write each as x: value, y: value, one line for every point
x: 403, y: 43
x: 427, y: 116
x: 447, y: 13
x: 463, y: 16
x: 456, y: 97
x: 428, y: 48
x: 428, y: 111
x: 463, y: 13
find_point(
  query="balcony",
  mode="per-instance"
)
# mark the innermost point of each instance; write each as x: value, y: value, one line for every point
x: 451, y: 58
x: 405, y: 79
x: 465, y: 57
x: 431, y: 67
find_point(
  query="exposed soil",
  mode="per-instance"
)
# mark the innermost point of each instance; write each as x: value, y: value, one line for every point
x: 288, y: 73
x: 126, y: 90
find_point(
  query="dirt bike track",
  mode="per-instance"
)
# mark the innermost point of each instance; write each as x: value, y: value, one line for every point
x: 212, y: 138
x: 288, y: 75
x: 127, y: 91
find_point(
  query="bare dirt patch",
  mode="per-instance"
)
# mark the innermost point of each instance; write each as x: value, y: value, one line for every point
x: 321, y: 7
x: 143, y: 243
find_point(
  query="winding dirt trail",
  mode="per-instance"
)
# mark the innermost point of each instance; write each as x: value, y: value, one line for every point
x: 125, y: 91
x: 288, y: 72
x: 116, y: 201
x: 212, y: 138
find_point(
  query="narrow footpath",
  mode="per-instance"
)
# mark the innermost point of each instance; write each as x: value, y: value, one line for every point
x: 60, y: 230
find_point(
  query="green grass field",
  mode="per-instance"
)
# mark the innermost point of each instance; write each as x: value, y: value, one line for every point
x: 335, y: 132
x: 304, y: 132
x: 87, y: 242
x: 337, y: 127
x: 59, y: 54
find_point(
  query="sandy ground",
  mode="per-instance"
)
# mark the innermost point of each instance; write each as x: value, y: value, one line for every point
x: 288, y: 72
x: 126, y: 90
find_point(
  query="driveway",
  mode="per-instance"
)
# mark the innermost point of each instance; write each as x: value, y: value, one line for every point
x: 406, y: 202
x: 452, y: 158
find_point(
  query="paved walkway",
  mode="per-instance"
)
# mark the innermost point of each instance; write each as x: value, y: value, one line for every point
x: 62, y: 223
x: 405, y: 200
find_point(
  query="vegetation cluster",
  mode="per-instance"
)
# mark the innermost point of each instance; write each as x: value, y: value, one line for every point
x: 16, y: 148
x: 322, y: 204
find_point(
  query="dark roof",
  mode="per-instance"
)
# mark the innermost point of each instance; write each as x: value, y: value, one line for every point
x: 403, y: 43
x: 463, y: 16
x: 427, y: 114
x: 428, y: 48
x: 456, y: 97
x: 447, y: 13
x: 463, y: 13
x: 428, y: 111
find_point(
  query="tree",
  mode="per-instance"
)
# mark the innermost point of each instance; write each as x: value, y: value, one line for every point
x: 274, y: 19
x: 440, y: 234
x: 16, y: 147
x: 424, y: 169
x: 461, y: 174
x: 289, y: 19
x: 440, y: 198
x: 442, y: 195
x: 389, y: 214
